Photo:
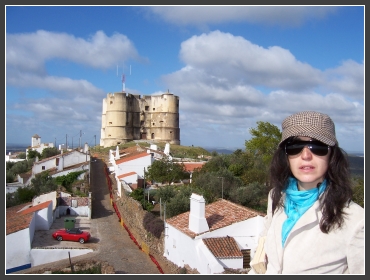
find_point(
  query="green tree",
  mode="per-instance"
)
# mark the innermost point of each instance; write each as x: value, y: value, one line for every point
x: 165, y: 193
x: 49, y: 152
x: 265, y: 140
x: 166, y: 171
x: 68, y: 179
x: 15, y: 168
x: 32, y: 154
x: 253, y: 196
x: 43, y: 183
x: 263, y: 144
x: 180, y: 203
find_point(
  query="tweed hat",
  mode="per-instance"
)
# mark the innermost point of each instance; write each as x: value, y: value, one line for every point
x: 310, y: 124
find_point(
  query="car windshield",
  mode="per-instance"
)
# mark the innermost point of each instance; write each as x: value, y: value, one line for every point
x: 74, y: 230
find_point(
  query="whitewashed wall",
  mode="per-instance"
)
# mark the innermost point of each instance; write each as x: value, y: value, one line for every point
x: 18, y: 246
x: 196, y: 254
x: 43, y: 256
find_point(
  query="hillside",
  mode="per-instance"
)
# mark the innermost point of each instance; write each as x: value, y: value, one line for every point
x: 356, y: 162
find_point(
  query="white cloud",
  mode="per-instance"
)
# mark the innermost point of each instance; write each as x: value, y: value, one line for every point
x: 204, y: 15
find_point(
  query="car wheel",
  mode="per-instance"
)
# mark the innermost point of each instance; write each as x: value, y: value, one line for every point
x: 59, y: 238
x: 82, y: 240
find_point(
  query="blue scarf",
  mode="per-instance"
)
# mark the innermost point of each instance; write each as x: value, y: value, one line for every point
x: 297, y: 203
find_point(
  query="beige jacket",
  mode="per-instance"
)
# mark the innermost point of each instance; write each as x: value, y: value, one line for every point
x: 307, y: 250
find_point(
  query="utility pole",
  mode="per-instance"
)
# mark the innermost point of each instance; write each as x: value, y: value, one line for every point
x: 66, y: 142
x: 79, y: 145
x: 95, y: 139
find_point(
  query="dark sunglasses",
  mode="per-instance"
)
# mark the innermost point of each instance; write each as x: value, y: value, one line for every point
x: 316, y: 147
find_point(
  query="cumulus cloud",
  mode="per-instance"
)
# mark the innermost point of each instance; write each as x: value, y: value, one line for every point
x: 232, y: 89
x: 205, y: 15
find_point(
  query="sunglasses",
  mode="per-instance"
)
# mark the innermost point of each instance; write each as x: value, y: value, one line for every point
x: 316, y: 147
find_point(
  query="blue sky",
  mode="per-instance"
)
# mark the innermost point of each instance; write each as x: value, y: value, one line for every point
x: 231, y: 66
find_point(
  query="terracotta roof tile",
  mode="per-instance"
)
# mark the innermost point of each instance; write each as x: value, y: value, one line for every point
x: 218, y: 214
x: 223, y: 247
x: 191, y: 166
x: 20, y: 216
x: 132, y: 157
x: 126, y: 174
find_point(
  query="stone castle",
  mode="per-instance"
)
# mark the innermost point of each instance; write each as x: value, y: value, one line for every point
x: 127, y: 117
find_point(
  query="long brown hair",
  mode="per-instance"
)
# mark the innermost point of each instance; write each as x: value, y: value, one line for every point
x: 338, y: 192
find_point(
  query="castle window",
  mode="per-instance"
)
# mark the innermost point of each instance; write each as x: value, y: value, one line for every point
x: 153, y: 109
x: 153, y: 124
x: 109, y: 135
x: 142, y: 123
x: 146, y: 108
x: 110, y: 122
x: 111, y: 102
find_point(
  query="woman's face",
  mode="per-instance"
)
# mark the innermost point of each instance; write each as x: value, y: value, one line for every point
x: 307, y: 167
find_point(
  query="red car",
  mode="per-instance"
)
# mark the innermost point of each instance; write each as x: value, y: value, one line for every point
x: 73, y: 234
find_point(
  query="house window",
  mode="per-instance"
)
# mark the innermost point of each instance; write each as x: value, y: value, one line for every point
x: 43, y: 167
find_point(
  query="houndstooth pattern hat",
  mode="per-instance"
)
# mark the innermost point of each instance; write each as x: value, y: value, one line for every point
x: 310, y: 124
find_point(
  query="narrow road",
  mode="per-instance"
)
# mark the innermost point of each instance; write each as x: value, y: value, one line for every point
x: 115, y: 244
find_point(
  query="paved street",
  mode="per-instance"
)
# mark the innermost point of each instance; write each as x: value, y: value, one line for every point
x: 109, y: 240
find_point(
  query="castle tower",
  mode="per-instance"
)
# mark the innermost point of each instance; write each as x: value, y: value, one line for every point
x: 128, y: 117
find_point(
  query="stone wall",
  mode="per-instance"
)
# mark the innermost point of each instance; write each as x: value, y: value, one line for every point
x: 132, y: 215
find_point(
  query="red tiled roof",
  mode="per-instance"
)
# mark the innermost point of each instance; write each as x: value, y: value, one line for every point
x: 190, y: 166
x: 20, y: 216
x: 17, y: 221
x: 126, y: 174
x: 218, y: 214
x: 132, y: 157
x: 223, y: 247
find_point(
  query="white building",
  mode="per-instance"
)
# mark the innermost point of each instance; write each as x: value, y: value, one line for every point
x: 213, y: 237
x: 36, y: 145
x: 61, y: 162
x: 21, y: 223
x: 130, y: 165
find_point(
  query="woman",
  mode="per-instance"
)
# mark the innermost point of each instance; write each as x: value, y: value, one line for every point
x: 312, y: 226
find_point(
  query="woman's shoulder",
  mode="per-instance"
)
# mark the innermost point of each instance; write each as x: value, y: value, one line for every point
x: 355, y: 211
x: 354, y: 207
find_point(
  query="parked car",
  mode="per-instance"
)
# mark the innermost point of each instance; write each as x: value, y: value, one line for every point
x: 73, y: 234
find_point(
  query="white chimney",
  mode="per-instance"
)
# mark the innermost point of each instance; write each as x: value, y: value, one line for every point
x: 167, y: 149
x: 197, y: 216
x: 117, y: 153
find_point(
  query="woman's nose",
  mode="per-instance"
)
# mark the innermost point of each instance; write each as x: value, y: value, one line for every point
x: 306, y: 153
